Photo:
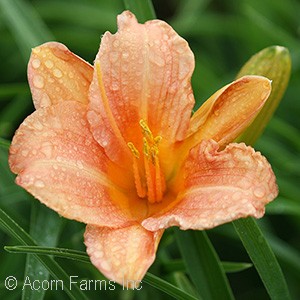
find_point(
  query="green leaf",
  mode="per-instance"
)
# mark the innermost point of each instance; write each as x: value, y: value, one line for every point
x: 4, y: 143
x: 25, y: 24
x: 44, y: 228
x: 233, y: 267
x: 12, y: 114
x: 58, y: 252
x: 183, y: 282
x: 178, y: 265
x: 11, y: 89
x: 143, y: 9
x: 262, y: 257
x: 284, y: 205
x: 151, y: 279
x: 14, y: 230
x: 167, y: 287
x: 203, y: 265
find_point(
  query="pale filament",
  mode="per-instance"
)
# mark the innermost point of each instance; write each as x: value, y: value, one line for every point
x: 149, y: 179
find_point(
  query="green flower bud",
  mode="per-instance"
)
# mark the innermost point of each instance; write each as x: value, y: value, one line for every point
x: 274, y: 63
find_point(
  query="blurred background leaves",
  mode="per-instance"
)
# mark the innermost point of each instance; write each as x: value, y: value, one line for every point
x: 223, y: 36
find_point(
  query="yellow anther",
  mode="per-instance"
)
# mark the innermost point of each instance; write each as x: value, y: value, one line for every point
x: 145, y: 146
x: 146, y: 130
x: 134, y: 151
x: 157, y: 139
x: 148, y: 177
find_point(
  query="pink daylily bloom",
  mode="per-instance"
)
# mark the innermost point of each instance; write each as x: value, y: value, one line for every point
x: 114, y: 145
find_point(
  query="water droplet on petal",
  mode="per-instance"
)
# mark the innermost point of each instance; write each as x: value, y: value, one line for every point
x: 114, y: 86
x: 105, y: 266
x: 38, y: 81
x: 45, y: 101
x: 57, y: 73
x: 79, y: 164
x: 24, y: 153
x: 49, y: 64
x: 116, y: 43
x: 36, y: 63
x: 98, y: 254
x: 38, y: 125
x: 259, y: 192
x: 47, y: 149
x: 39, y: 184
x: 164, y: 48
x: 36, y: 50
x: 113, y: 57
x: 159, y: 61
x: 125, y: 55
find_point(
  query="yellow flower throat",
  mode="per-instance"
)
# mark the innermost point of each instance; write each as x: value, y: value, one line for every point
x: 149, y: 179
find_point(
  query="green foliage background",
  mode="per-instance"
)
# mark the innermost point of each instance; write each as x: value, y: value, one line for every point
x: 223, y: 35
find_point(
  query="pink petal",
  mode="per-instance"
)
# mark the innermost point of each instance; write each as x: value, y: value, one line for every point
x: 124, y: 254
x: 56, y: 74
x: 58, y: 161
x: 146, y: 71
x: 219, y: 187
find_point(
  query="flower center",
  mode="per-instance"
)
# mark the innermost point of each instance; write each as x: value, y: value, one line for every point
x: 149, y: 179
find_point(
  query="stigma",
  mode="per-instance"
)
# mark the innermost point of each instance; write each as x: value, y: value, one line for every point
x: 149, y: 178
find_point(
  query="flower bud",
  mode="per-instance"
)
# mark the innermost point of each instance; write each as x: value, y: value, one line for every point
x: 274, y: 63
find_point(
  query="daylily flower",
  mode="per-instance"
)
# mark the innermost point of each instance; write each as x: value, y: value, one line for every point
x: 115, y: 146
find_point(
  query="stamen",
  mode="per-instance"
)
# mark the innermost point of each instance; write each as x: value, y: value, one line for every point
x: 154, y: 182
x: 150, y: 182
x: 140, y: 188
x: 159, y: 180
x: 135, y: 151
x: 146, y: 130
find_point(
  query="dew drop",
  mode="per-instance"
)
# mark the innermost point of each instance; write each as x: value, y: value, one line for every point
x: 125, y: 55
x: 88, y: 142
x: 79, y: 164
x: 159, y: 61
x: 114, y: 86
x: 98, y: 254
x: 45, y: 101
x: 24, y: 153
x: 49, y: 64
x: 39, y: 184
x: 36, y: 63
x: 164, y: 48
x: 116, y: 43
x: 36, y: 50
x: 38, y: 125
x: 259, y: 192
x: 105, y: 266
x: 38, y: 81
x: 47, y: 149
x: 113, y: 57
x: 57, y: 73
